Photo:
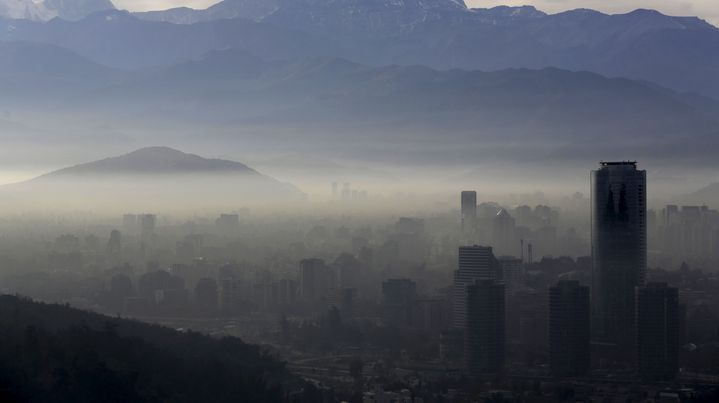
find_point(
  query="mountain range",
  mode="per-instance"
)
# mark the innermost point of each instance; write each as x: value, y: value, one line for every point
x: 443, y: 34
x: 331, y: 102
x: 364, y: 81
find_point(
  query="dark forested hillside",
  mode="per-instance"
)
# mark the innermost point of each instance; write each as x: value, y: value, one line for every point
x: 54, y: 353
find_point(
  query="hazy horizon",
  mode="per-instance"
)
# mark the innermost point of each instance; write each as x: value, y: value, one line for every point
x: 359, y: 201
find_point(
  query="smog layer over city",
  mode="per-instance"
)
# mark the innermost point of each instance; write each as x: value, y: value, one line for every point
x: 370, y: 201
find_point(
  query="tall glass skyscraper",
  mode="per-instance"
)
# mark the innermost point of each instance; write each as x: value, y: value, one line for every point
x: 619, y: 248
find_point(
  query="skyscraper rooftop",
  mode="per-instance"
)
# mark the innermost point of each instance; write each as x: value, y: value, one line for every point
x: 618, y: 163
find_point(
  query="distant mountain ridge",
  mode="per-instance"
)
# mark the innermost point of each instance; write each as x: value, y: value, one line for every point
x: 258, y: 10
x: 154, y: 161
x: 681, y: 53
x: 521, y: 105
x: 157, y: 177
x: 39, y: 58
x: 708, y: 195
x: 254, y: 10
x: 327, y: 103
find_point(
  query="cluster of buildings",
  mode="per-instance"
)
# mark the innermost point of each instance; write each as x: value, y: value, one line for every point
x: 198, y: 289
x: 686, y: 234
x: 346, y: 193
x: 511, y: 231
x: 373, y: 288
x: 623, y: 317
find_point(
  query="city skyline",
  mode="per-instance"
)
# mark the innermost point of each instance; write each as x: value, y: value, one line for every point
x: 359, y: 201
x: 491, y: 317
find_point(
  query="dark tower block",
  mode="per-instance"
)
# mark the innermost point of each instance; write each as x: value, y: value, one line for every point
x: 619, y: 249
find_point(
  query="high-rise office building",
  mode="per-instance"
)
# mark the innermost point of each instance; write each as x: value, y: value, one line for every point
x: 619, y: 248
x: 475, y: 263
x: 657, y: 332
x: 569, y: 329
x: 469, y: 211
x: 485, y: 327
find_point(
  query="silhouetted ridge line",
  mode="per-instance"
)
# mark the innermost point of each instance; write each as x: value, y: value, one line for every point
x: 155, y: 160
x: 55, y: 353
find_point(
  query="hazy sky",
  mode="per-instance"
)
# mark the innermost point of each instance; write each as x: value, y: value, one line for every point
x: 707, y: 9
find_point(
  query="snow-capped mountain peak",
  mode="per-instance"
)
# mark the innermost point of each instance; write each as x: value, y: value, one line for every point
x: 26, y: 9
x: 44, y: 10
